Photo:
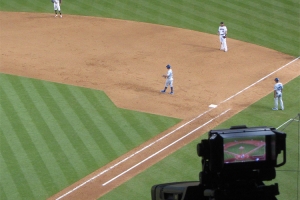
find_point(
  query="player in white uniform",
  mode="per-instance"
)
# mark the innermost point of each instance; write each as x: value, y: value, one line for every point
x: 222, y: 32
x: 169, y: 80
x: 278, y: 87
x: 56, y: 4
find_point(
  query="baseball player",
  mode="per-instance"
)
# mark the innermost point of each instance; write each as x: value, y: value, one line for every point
x: 222, y: 32
x: 278, y: 87
x: 169, y: 80
x: 57, y: 4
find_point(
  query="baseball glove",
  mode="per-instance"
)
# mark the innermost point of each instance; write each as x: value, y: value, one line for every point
x: 224, y: 36
x: 52, y: 1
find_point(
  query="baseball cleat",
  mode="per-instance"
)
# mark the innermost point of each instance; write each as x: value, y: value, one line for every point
x: 274, y: 108
x: 55, y: 15
x: 162, y: 91
x: 60, y: 16
x: 171, y: 93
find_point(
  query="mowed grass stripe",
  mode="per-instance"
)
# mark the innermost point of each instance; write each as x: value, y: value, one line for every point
x: 7, y: 182
x: 83, y: 131
x: 257, y: 16
x: 66, y: 118
x: 48, y: 137
x: 24, y: 166
x: 94, y: 109
x: 37, y: 127
x: 47, y: 127
x: 2, y: 188
x: 14, y: 181
x: 117, y: 115
x: 59, y: 142
x: 105, y: 128
x: 24, y: 155
x: 112, y: 113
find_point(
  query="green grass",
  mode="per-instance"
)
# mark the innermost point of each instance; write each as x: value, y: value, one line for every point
x: 53, y: 135
x: 270, y: 23
x: 185, y: 165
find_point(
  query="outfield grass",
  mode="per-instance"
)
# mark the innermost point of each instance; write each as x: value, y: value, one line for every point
x: 185, y: 165
x: 42, y: 158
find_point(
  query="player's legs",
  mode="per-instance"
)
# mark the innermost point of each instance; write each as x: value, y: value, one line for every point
x: 166, y: 86
x: 281, y: 102
x: 225, y: 44
x: 57, y: 8
x: 275, y: 103
x: 221, y: 41
x: 171, y: 86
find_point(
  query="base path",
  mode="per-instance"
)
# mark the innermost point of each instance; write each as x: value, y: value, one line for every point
x: 126, y: 60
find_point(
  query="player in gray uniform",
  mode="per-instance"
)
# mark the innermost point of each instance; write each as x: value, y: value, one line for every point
x: 56, y: 4
x: 278, y: 87
x: 222, y: 32
x: 169, y: 80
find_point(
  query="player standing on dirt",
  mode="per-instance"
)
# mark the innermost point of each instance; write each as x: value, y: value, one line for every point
x: 169, y: 81
x: 278, y: 87
x: 57, y: 4
x: 222, y: 32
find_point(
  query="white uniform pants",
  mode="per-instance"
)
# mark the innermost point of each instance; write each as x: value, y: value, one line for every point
x: 56, y: 6
x: 223, y: 43
x: 169, y: 82
x: 276, y: 99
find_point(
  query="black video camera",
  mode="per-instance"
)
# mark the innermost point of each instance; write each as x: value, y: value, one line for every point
x: 235, y: 162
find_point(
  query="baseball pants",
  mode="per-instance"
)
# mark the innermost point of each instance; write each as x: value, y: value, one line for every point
x: 276, y: 99
x: 223, y: 43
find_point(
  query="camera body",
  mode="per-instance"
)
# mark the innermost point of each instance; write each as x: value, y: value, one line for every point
x: 235, y: 162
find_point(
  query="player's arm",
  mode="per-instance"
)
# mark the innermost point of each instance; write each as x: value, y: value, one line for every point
x: 60, y: 1
x: 166, y: 75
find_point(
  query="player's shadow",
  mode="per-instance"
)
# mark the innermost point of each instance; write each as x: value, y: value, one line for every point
x: 41, y: 16
x: 201, y: 47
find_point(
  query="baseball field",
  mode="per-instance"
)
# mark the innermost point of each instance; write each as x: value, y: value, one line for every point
x: 81, y: 112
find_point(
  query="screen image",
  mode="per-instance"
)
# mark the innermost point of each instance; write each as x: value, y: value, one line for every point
x: 244, y: 149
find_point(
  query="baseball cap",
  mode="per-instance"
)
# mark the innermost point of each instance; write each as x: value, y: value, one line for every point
x: 168, y: 66
x: 222, y: 23
x: 276, y: 79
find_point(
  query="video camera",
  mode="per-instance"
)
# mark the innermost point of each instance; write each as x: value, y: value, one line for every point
x: 235, y: 162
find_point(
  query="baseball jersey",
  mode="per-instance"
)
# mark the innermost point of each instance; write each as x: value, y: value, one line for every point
x: 170, y: 74
x: 56, y: 1
x: 278, y: 88
x: 222, y: 30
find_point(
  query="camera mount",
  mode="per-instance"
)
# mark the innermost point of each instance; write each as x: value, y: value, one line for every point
x: 235, y: 162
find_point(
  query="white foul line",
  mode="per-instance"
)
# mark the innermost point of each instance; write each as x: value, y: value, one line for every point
x: 84, y: 183
x: 115, y: 165
x: 260, y: 80
x: 287, y: 122
x: 165, y: 148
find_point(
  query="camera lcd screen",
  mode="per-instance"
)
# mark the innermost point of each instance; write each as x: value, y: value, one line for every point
x: 244, y: 149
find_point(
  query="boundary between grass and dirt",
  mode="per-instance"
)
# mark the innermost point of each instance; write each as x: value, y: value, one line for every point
x: 163, y: 137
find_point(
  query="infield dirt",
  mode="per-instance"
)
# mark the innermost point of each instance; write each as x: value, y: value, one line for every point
x: 126, y: 60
